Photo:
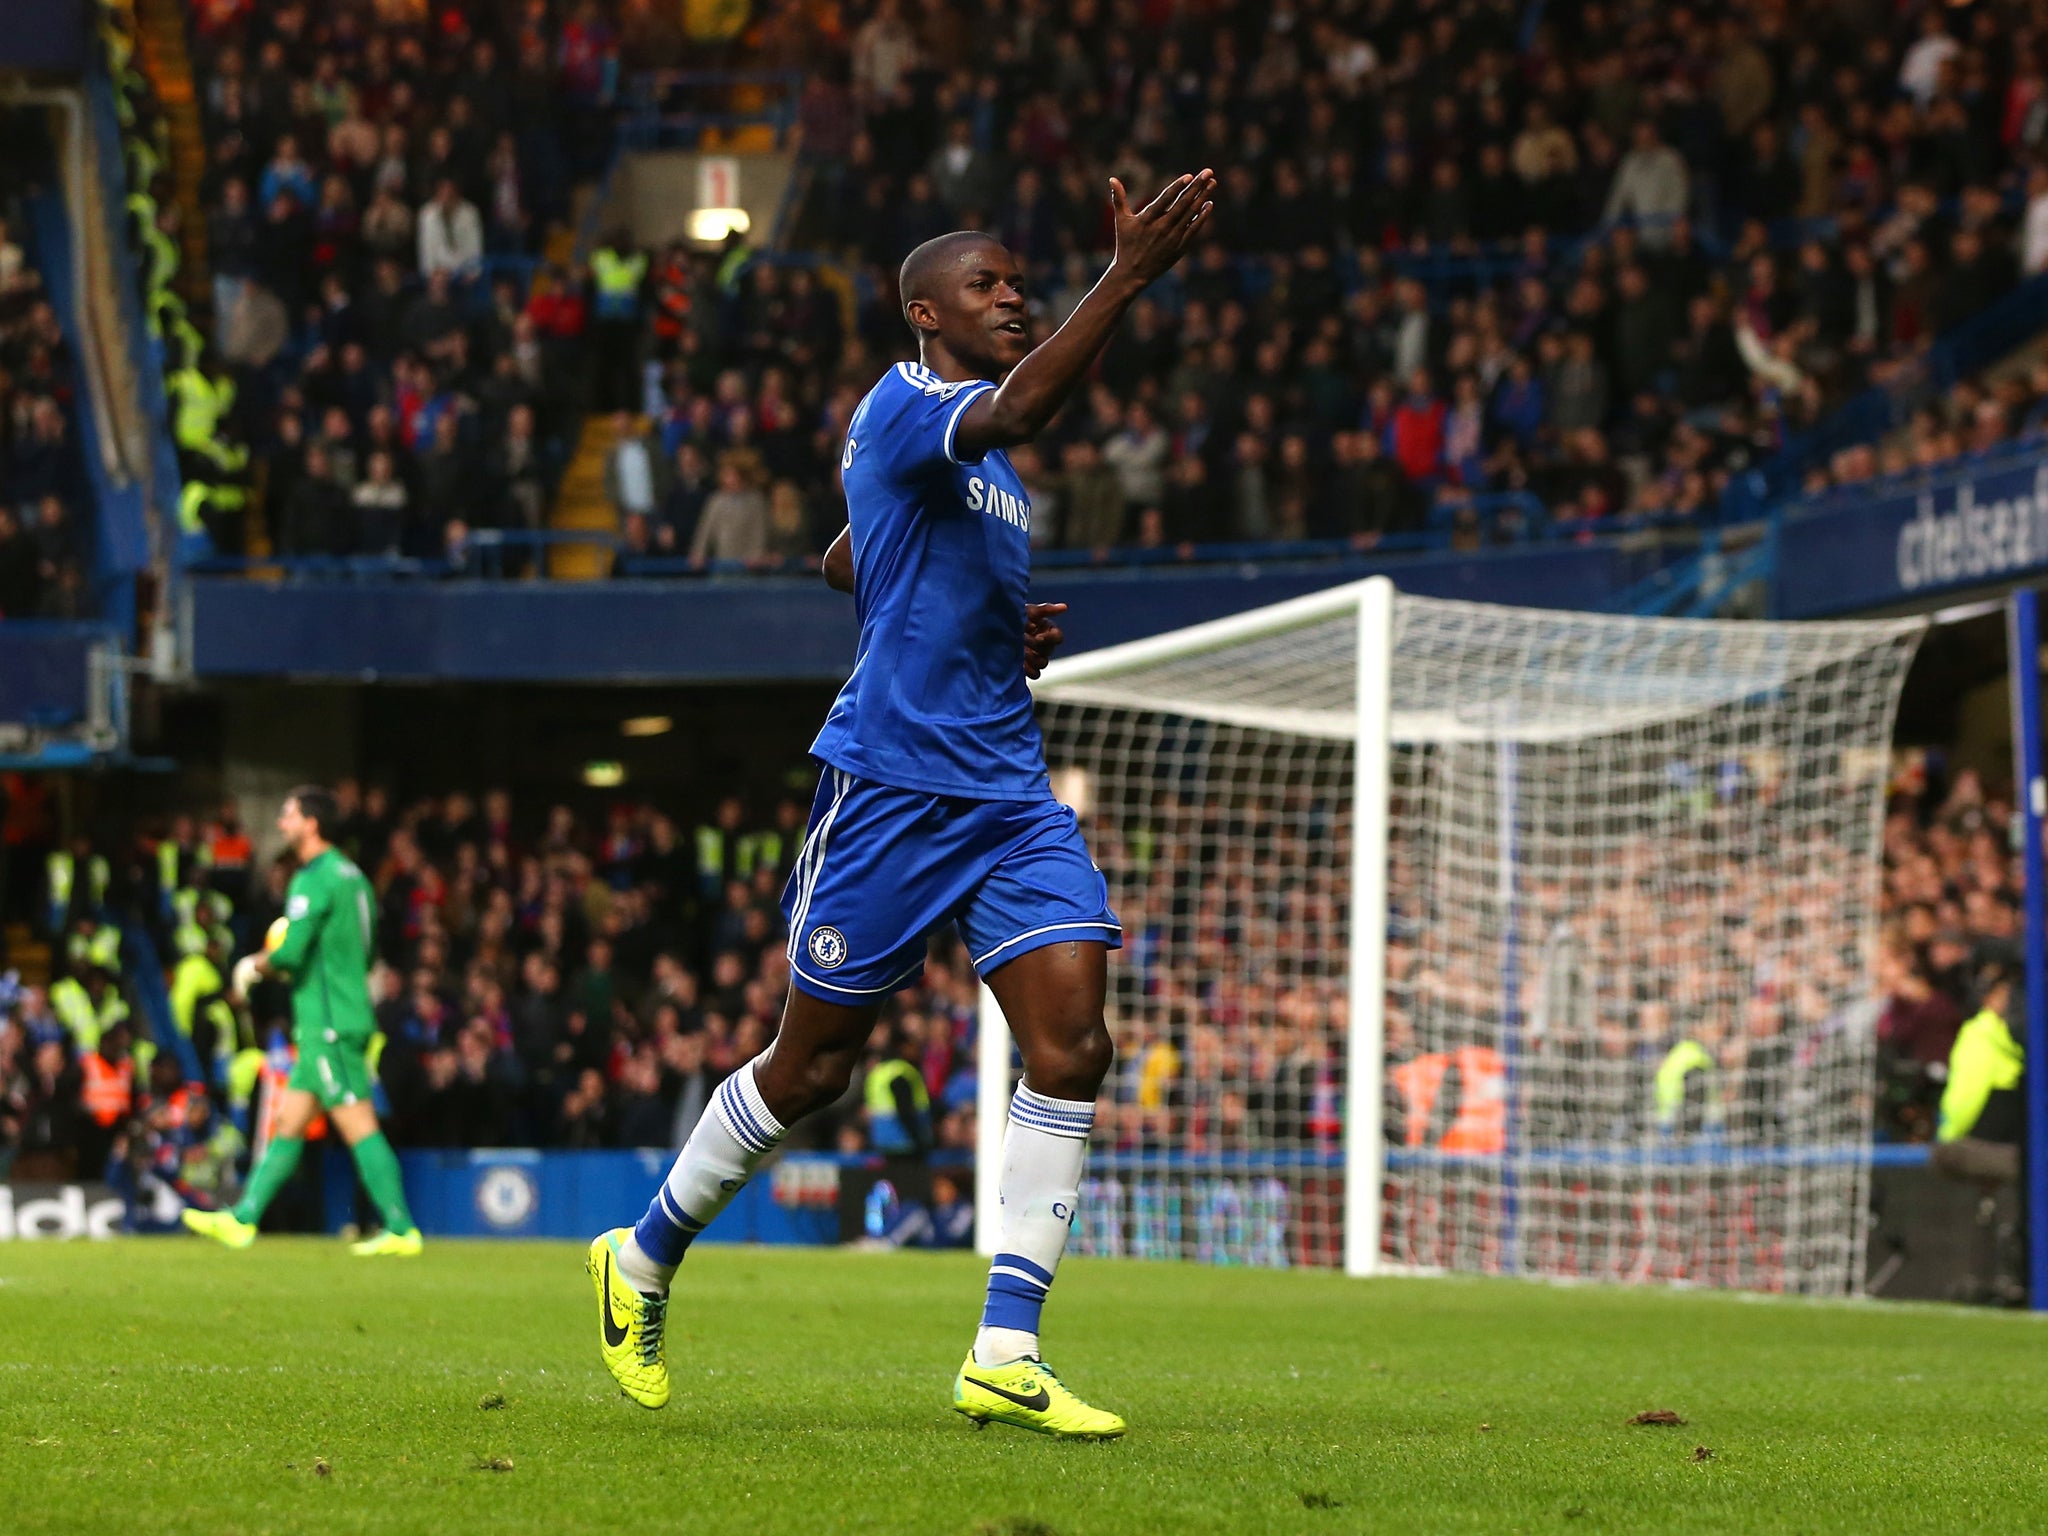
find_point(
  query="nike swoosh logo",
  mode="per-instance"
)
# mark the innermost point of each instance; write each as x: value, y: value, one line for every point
x: 1037, y: 1401
x: 614, y: 1333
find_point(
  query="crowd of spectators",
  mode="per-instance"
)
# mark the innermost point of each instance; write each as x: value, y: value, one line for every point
x: 377, y: 190
x: 1606, y: 265
x: 41, y: 550
x: 1402, y: 304
x: 1952, y: 903
x: 1406, y: 312
x: 1989, y: 415
x: 1977, y: 419
x: 585, y: 980
x: 544, y: 980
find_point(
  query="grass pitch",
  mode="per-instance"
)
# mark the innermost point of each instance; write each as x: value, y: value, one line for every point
x: 170, y: 1386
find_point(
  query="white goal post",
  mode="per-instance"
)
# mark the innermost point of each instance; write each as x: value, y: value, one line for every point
x: 1471, y: 938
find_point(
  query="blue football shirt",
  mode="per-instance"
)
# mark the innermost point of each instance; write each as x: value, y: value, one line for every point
x: 942, y: 567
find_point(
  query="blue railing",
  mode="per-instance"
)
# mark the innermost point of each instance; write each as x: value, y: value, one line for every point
x: 1948, y: 475
x: 485, y: 553
x: 145, y: 354
x: 1670, y: 1154
x: 63, y: 694
x: 46, y: 670
x: 490, y: 552
x: 1700, y: 585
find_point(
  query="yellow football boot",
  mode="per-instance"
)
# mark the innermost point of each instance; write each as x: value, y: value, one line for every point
x: 629, y: 1325
x: 389, y: 1245
x: 221, y: 1226
x: 1027, y: 1394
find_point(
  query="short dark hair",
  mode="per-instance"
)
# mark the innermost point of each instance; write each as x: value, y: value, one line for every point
x: 317, y: 804
x: 914, y: 280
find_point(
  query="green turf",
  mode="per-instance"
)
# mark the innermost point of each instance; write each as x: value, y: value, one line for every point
x: 170, y: 1386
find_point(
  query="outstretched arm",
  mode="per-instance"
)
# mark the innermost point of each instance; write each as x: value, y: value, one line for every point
x: 1148, y: 243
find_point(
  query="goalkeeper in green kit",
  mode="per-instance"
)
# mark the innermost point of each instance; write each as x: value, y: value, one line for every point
x: 325, y: 956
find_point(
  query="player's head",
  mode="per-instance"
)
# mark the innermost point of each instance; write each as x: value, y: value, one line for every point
x: 307, y: 819
x: 964, y: 293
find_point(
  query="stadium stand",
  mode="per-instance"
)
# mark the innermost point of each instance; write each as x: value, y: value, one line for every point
x: 376, y: 201
x: 43, y: 548
x: 1613, y: 283
x: 1456, y: 280
x: 1460, y: 294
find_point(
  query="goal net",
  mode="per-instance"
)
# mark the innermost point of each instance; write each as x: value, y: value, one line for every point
x: 1483, y: 939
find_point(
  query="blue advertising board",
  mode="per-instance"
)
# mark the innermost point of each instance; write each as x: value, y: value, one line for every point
x: 518, y: 1192
x: 45, y: 670
x: 43, y: 35
x: 777, y: 628
x: 1853, y: 550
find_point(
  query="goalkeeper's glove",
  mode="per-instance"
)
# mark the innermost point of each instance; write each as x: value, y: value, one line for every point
x: 244, y: 977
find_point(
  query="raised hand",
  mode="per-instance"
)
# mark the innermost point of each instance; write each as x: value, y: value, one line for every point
x: 1041, y: 635
x: 1148, y: 242
x: 1151, y: 239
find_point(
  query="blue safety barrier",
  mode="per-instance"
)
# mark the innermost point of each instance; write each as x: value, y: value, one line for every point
x: 46, y: 670
x: 1971, y: 522
x: 107, y: 513
x: 50, y: 35
x: 1666, y: 1157
x: 493, y: 552
x: 781, y: 627
x: 518, y: 1192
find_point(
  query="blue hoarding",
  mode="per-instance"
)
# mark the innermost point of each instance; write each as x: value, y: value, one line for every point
x: 772, y: 628
x: 43, y: 35
x: 45, y: 670
x: 517, y: 1192
x: 1979, y: 524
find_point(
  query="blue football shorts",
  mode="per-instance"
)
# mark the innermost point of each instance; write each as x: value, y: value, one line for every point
x: 882, y: 868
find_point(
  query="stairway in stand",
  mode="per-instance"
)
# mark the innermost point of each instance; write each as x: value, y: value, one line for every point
x: 27, y: 954
x: 160, y: 36
x: 582, y: 504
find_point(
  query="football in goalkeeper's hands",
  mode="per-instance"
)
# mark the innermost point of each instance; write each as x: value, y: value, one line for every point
x: 275, y: 935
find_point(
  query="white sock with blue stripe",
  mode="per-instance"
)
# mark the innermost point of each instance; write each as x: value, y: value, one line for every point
x: 722, y: 1153
x: 1043, y: 1149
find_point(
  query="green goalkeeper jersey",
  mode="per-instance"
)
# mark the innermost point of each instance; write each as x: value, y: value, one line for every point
x: 330, y: 917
